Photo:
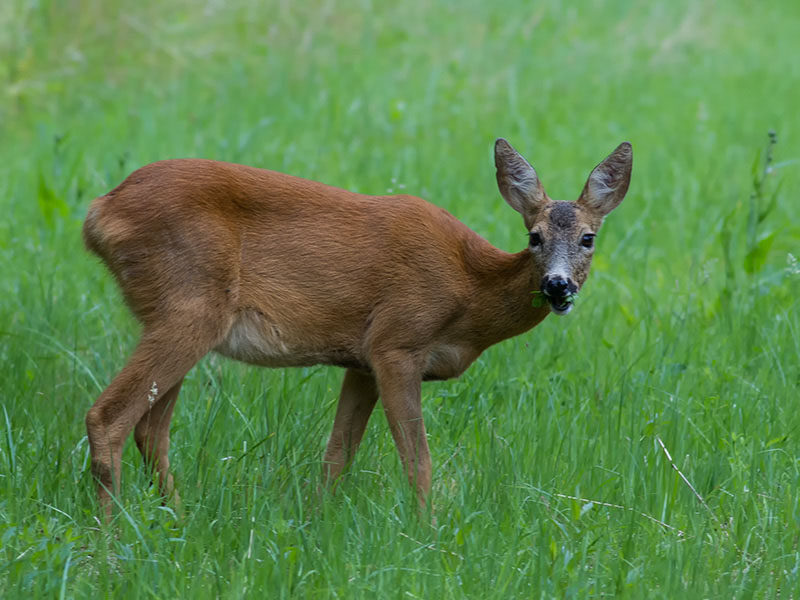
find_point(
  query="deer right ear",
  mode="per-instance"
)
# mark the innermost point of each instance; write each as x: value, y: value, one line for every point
x: 518, y: 182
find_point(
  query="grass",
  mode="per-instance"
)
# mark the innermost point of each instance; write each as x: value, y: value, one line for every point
x: 552, y: 476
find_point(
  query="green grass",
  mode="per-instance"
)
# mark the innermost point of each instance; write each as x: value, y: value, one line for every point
x: 687, y: 332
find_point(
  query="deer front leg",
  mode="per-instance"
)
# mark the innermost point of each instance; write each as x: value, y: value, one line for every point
x: 358, y: 398
x: 400, y: 385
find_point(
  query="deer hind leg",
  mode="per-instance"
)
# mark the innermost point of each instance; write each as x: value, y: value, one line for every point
x: 152, y: 438
x: 356, y: 401
x: 162, y: 358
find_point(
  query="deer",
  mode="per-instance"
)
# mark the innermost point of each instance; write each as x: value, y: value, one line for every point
x: 279, y: 271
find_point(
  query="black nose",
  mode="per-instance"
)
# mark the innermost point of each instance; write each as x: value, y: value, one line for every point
x: 555, y: 287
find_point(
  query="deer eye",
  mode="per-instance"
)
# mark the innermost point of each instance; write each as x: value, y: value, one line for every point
x: 587, y: 241
x: 535, y: 238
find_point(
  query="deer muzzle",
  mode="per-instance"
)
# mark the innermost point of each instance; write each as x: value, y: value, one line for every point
x: 560, y: 292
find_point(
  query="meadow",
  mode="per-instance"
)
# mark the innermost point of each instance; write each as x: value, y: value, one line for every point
x: 645, y: 446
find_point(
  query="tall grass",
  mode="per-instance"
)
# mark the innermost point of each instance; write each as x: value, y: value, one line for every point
x: 551, y: 470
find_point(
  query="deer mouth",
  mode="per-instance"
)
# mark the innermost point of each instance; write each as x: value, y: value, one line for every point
x: 560, y: 305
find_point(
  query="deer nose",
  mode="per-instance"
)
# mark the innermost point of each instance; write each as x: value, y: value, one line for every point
x: 555, y: 287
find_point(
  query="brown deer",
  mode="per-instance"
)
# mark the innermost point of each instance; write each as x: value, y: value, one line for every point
x: 279, y: 271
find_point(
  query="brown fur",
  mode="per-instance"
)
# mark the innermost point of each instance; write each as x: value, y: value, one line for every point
x: 280, y: 271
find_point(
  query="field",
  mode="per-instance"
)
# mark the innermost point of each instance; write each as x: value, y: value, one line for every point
x: 645, y: 446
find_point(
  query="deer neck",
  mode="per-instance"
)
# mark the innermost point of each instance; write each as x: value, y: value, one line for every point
x: 505, y: 296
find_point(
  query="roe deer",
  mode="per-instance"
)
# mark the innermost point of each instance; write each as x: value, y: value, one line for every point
x: 279, y: 271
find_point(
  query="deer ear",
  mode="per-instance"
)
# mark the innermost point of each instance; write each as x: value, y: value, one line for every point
x: 608, y: 182
x: 518, y: 182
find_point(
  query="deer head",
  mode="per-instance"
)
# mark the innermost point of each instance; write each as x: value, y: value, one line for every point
x: 562, y: 234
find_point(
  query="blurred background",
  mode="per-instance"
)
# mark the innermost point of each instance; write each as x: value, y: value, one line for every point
x: 687, y: 331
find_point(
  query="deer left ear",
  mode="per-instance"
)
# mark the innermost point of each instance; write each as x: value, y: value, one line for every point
x: 608, y: 182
